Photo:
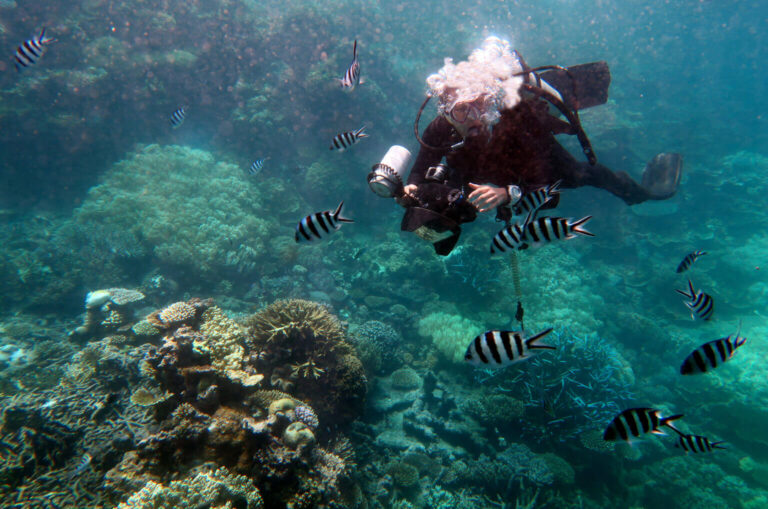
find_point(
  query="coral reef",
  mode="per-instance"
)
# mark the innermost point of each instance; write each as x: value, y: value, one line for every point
x: 218, y: 488
x: 324, y: 369
x: 107, y: 311
x: 450, y: 333
x: 206, y: 399
x: 160, y: 194
x: 584, y: 382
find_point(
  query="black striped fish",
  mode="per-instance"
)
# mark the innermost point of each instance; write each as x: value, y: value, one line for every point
x: 500, y: 348
x: 532, y: 201
x: 30, y: 51
x: 636, y: 422
x: 537, y: 232
x: 701, y: 304
x: 697, y: 444
x: 320, y: 224
x: 689, y: 259
x: 343, y: 141
x: 352, y: 77
x: 711, y: 354
x: 178, y: 116
x: 256, y: 167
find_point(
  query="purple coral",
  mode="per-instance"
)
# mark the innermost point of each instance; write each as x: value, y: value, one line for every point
x: 306, y: 415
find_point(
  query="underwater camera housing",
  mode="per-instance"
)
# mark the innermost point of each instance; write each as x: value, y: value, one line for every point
x: 386, y: 177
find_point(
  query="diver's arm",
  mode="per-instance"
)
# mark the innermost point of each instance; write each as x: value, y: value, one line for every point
x: 437, y: 134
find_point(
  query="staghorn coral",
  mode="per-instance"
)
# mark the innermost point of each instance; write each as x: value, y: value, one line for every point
x: 302, y: 348
x: 215, y: 489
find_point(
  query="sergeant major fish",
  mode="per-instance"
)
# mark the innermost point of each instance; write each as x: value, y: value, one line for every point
x: 320, y: 224
x: 500, y: 348
x: 701, y: 304
x: 697, y: 444
x: 711, y: 354
x: 178, y: 116
x: 636, y: 422
x: 343, y: 141
x: 689, y: 259
x: 256, y: 167
x: 30, y: 51
x: 352, y: 77
x: 534, y: 233
x: 532, y: 201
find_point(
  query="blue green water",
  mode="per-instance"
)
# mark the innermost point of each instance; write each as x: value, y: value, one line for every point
x: 99, y: 192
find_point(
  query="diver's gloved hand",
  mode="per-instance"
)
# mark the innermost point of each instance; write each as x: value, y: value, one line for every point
x: 408, y: 198
x: 487, y: 196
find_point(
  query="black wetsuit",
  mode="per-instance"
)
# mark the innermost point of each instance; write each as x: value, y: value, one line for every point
x: 522, y: 151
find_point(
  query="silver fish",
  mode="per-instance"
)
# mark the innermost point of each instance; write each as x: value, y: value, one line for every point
x: 500, y: 348
x: 697, y: 444
x: 343, y: 141
x: 701, y: 304
x: 320, y: 224
x: 711, y: 354
x: 636, y: 422
x: 532, y: 201
x: 352, y: 77
x: 689, y: 259
x: 178, y: 116
x: 534, y: 233
x: 30, y: 51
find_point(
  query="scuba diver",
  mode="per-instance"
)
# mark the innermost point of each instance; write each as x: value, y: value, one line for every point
x: 496, y: 136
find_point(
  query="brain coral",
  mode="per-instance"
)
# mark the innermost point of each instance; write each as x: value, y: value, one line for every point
x: 193, y: 212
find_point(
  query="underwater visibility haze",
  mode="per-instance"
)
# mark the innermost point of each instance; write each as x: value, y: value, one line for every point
x: 222, y: 286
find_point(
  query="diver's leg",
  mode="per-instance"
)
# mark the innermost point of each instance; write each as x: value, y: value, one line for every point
x: 660, y: 183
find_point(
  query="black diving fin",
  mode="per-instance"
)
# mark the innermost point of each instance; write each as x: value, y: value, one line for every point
x: 582, y: 86
x: 662, y: 175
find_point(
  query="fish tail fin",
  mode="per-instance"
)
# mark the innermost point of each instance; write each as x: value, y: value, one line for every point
x: 738, y: 341
x: 554, y: 188
x: 666, y: 422
x: 576, y: 227
x: 354, y: 50
x: 690, y: 288
x: 360, y: 133
x: 718, y: 445
x: 44, y: 39
x: 338, y: 217
x: 531, y: 342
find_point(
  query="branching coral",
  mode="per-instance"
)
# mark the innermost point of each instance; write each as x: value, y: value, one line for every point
x: 583, y: 382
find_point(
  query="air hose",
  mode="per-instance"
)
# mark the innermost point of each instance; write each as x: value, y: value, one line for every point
x: 518, y: 288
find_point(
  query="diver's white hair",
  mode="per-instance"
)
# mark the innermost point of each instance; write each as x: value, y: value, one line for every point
x: 487, y: 72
